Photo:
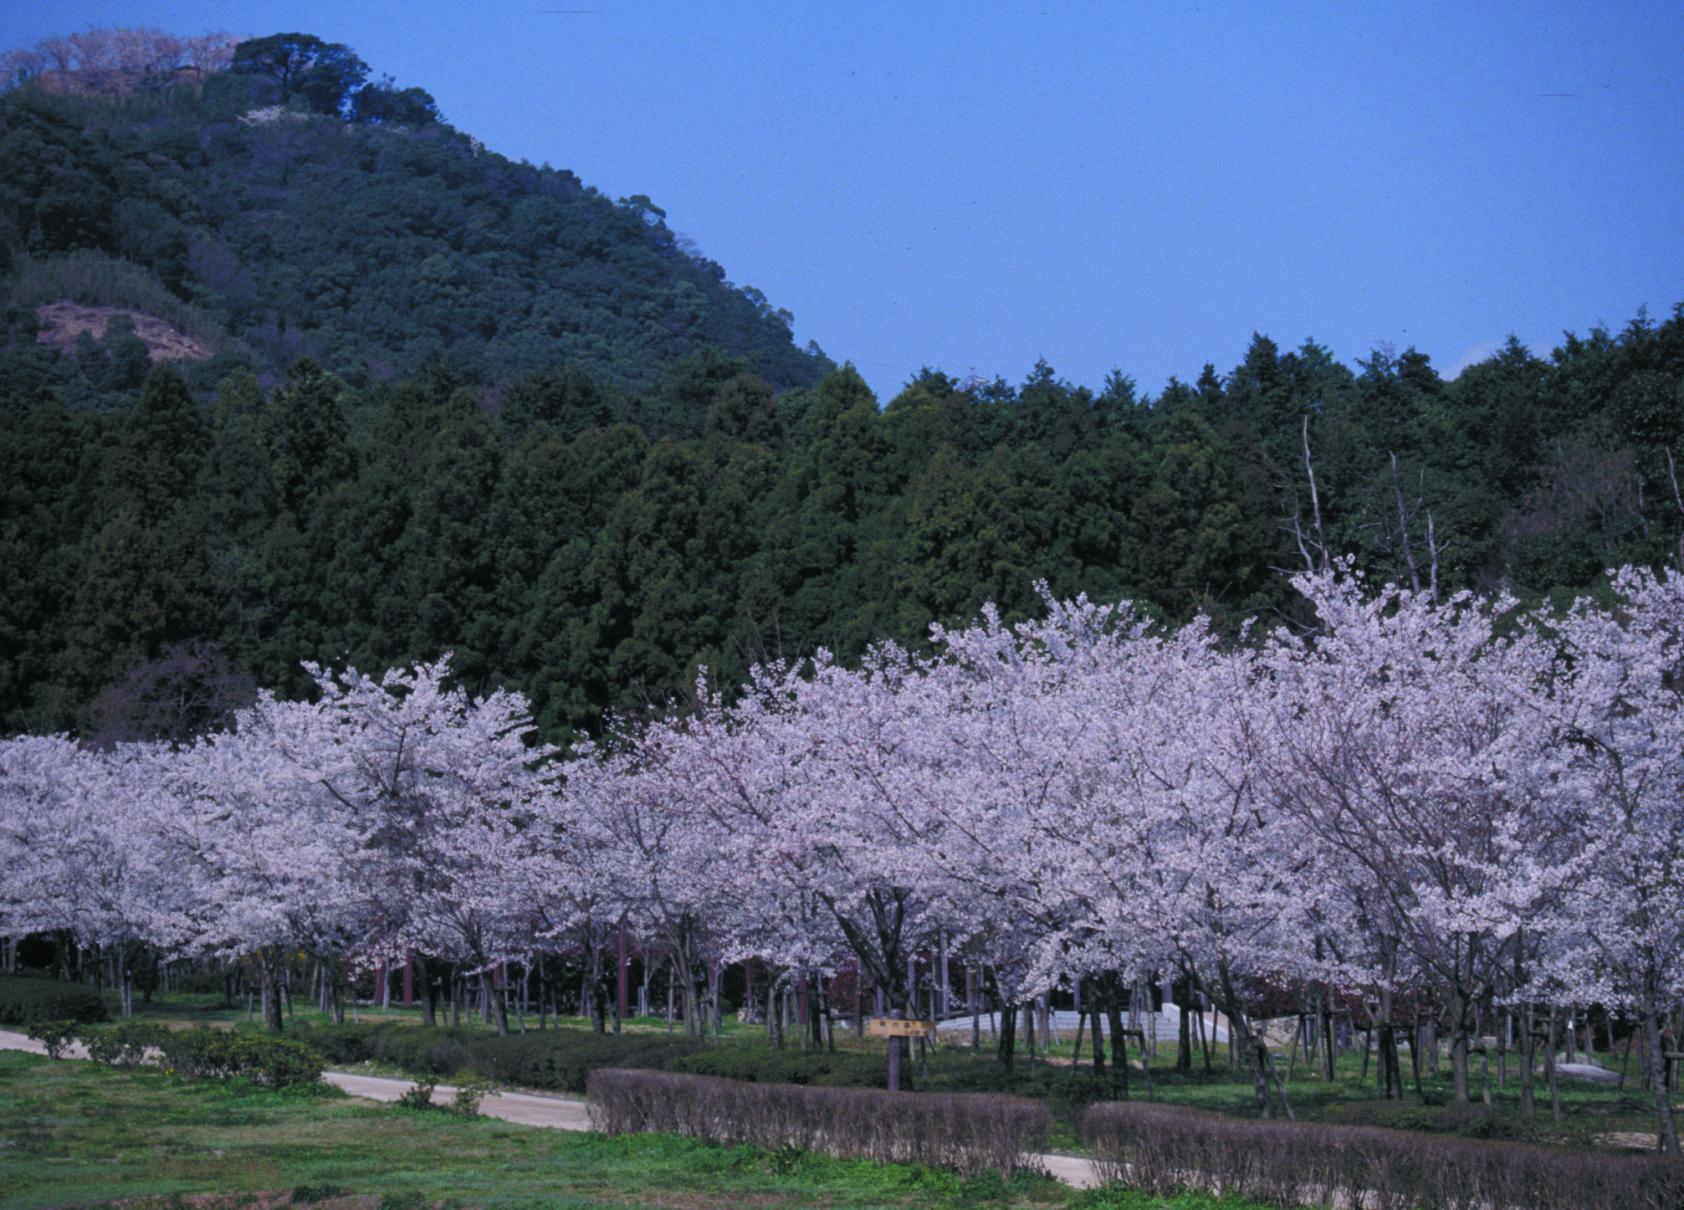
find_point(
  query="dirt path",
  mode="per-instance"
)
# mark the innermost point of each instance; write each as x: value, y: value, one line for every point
x: 527, y: 1108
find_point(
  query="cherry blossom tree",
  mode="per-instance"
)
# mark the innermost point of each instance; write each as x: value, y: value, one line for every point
x: 1620, y: 707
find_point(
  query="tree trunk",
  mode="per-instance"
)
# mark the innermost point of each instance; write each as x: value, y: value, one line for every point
x: 1119, y: 1042
x: 272, y: 1019
x: 1549, y: 1069
x: 1240, y: 1035
x: 1460, y: 1013
x: 1008, y: 1036
x: 1330, y: 1049
x: 1184, y: 1040
x: 500, y: 1002
x: 1657, y: 1077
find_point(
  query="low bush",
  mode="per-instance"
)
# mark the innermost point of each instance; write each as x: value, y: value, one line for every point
x: 553, y: 1059
x: 128, y: 1044
x: 469, y: 1093
x: 1469, y: 1121
x: 1164, y: 1148
x: 969, y: 1133
x: 418, y: 1095
x: 23, y: 1000
x: 344, y: 1044
x: 56, y: 1036
x: 562, y: 1060
x: 213, y: 1054
x: 758, y: 1064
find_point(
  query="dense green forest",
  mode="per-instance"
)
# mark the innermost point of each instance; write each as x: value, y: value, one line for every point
x: 457, y: 403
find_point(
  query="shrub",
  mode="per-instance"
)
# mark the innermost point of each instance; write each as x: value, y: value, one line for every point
x: 558, y: 1059
x: 128, y: 1044
x: 1163, y: 1148
x: 562, y: 1060
x: 343, y: 1044
x: 23, y: 1000
x: 56, y: 1036
x: 762, y: 1066
x: 469, y: 1093
x: 418, y: 1095
x: 1470, y: 1121
x: 970, y: 1133
x: 211, y: 1054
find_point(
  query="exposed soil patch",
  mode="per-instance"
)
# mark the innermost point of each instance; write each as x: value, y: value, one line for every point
x: 62, y: 322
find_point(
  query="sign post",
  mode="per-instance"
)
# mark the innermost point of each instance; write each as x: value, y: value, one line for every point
x: 894, y: 1028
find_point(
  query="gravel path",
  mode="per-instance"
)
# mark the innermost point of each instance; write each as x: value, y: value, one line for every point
x: 530, y: 1109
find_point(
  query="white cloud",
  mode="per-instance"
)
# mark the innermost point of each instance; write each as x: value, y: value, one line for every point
x: 1471, y: 356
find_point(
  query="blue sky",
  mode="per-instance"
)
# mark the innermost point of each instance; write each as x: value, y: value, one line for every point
x: 1107, y: 186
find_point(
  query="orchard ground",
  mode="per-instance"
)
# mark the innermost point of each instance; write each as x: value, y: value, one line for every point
x: 1602, y: 1117
x: 74, y: 1133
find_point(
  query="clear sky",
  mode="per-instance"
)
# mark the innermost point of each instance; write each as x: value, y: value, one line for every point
x: 1108, y: 186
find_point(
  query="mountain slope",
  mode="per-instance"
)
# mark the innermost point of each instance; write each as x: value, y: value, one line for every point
x: 372, y: 247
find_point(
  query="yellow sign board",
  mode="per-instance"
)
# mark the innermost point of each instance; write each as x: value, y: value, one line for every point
x: 894, y: 1027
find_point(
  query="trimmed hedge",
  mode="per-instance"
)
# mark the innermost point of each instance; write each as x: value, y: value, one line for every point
x: 23, y: 1000
x: 1165, y: 1148
x: 553, y: 1059
x: 969, y: 1132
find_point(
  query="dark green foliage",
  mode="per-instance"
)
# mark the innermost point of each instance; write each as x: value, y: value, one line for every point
x: 56, y: 1036
x: 841, y: 1070
x: 211, y: 1054
x: 562, y: 1060
x: 418, y: 1095
x: 592, y: 548
x: 349, y: 225
x: 24, y: 1001
x: 385, y: 103
x: 126, y: 1044
x: 558, y: 1060
x: 323, y: 74
x: 461, y: 404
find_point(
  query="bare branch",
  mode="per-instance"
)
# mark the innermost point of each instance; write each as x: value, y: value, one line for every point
x: 1315, y: 502
x: 1432, y: 548
x: 1403, y: 527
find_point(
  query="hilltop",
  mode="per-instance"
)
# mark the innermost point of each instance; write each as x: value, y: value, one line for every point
x: 268, y: 201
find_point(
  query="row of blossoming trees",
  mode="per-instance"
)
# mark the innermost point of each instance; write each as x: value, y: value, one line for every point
x: 1454, y: 799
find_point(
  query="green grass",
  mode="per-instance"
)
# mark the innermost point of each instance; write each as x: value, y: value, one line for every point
x: 75, y: 1134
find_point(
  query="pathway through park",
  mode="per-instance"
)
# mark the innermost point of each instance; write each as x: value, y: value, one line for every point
x: 533, y: 1109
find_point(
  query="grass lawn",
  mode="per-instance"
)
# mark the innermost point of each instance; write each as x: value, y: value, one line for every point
x: 72, y: 1133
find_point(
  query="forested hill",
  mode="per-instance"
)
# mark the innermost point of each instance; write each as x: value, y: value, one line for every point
x: 586, y: 512
x: 268, y: 202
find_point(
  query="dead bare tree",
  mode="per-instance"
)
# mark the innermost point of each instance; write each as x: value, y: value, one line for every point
x: 1312, y: 563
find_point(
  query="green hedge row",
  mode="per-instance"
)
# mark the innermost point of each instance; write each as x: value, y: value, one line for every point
x: 562, y: 1059
x: 556, y: 1059
x: 763, y: 1065
x: 23, y: 1000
